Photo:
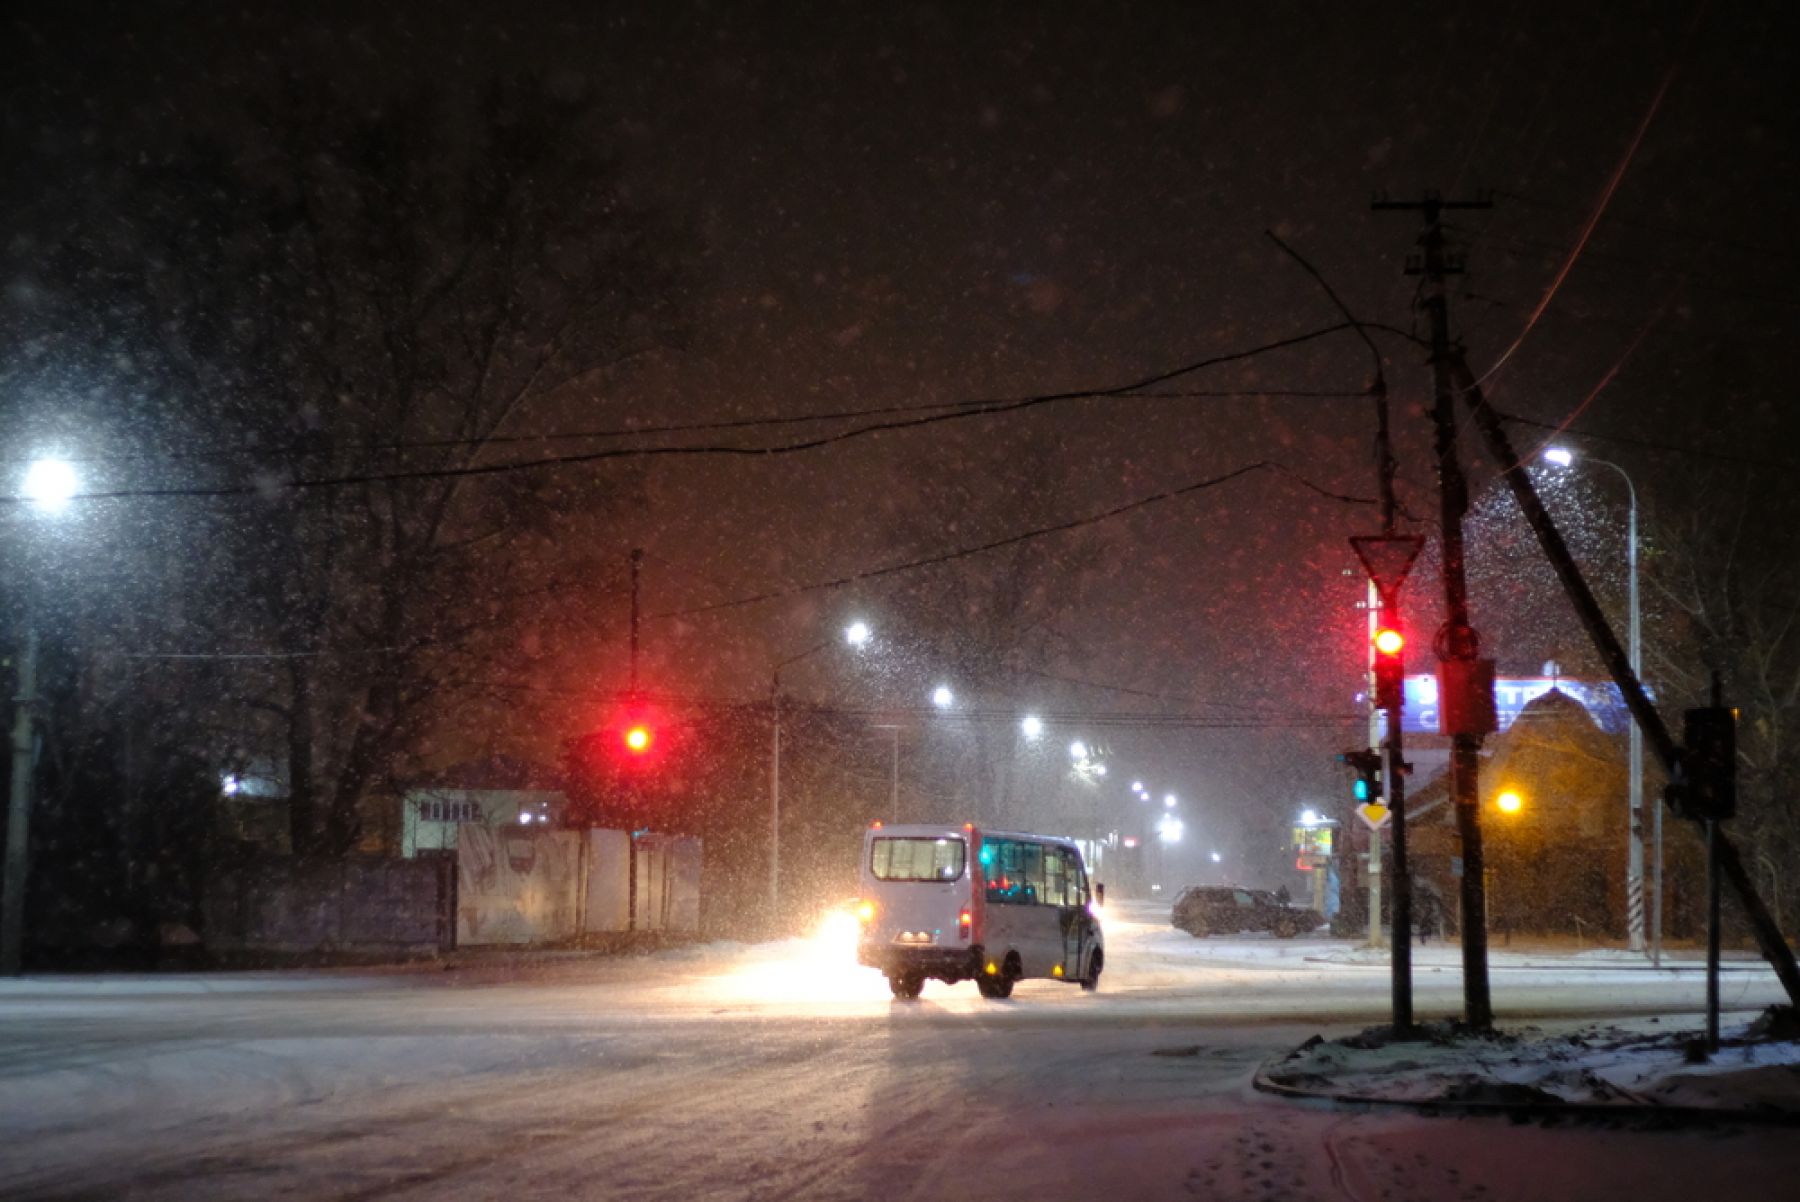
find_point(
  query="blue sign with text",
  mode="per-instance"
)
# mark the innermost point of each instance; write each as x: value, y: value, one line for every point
x: 1602, y: 699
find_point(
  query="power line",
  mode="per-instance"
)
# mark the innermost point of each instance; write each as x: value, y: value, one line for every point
x: 1014, y: 539
x: 1599, y: 211
x: 975, y: 407
x: 810, y: 444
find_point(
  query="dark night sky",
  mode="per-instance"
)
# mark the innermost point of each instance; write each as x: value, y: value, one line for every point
x: 911, y: 203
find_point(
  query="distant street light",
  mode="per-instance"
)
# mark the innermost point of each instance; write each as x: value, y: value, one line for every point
x: 1509, y: 801
x: 1309, y: 818
x: 1078, y: 750
x: 1169, y: 800
x: 1170, y: 829
x: 1137, y: 786
x: 857, y: 633
x: 1216, y: 857
x: 942, y: 697
x: 1032, y: 726
x: 1634, y: 867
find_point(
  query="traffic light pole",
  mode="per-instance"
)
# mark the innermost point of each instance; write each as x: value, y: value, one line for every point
x: 1393, y: 775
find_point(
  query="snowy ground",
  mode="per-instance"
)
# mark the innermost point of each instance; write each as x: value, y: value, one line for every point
x: 783, y: 1071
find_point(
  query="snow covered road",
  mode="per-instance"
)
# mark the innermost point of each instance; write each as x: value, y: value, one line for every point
x: 779, y: 1071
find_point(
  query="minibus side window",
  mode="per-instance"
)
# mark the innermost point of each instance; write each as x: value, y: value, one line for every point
x: 1014, y: 871
x: 1056, y: 877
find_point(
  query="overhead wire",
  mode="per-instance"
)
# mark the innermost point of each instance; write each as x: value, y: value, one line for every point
x: 1599, y: 209
x: 1091, y: 519
x: 809, y: 444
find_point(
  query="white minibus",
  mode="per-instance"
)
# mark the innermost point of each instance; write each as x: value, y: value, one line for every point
x: 961, y: 903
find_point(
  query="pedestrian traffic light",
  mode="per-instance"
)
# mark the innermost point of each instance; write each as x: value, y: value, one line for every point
x: 1390, y: 668
x: 1367, y: 766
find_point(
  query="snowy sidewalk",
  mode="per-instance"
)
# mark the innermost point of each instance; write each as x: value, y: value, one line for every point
x: 1634, y: 1069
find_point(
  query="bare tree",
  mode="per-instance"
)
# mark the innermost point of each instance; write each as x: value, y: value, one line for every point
x: 364, y: 306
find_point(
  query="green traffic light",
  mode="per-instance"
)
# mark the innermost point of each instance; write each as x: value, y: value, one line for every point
x: 1362, y: 789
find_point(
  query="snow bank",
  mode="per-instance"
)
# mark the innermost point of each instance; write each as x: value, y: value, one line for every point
x: 1628, y: 1066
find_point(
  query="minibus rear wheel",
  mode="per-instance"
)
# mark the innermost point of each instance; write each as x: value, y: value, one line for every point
x: 906, y: 985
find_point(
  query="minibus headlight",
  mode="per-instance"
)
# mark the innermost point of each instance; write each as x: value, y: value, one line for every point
x: 865, y: 912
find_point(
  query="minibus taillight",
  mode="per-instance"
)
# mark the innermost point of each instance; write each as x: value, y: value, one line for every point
x: 964, y: 921
x: 865, y: 912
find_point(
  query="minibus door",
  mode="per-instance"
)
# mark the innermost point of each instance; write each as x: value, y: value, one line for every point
x: 1077, y: 924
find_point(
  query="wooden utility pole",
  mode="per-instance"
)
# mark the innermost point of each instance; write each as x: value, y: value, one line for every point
x: 1457, y: 641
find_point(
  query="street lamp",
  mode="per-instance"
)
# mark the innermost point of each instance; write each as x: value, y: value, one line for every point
x: 1078, y: 750
x: 1169, y: 800
x: 1031, y: 726
x: 1509, y: 801
x: 1634, y: 879
x: 942, y: 697
x: 50, y: 484
x: 857, y: 634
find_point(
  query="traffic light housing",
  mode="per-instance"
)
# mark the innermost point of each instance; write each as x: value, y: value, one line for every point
x: 1367, y: 766
x: 1390, y: 665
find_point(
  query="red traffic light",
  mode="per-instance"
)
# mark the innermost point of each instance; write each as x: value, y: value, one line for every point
x: 1389, y: 641
x: 639, y: 738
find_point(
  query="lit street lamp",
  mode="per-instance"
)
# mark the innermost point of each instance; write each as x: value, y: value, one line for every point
x: 942, y: 697
x: 1031, y: 726
x: 857, y: 634
x: 1634, y: 879
x: 50, y: 484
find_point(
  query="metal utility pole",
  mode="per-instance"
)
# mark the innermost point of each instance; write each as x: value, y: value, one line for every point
x: 1393, y: 776
x: 775, y: 796
x: 637, y: 561
x: 1769, y: 939
x: 1457, y: 641
x: 18, y: 813
x: 894, y: 769
x: 1388, y: 558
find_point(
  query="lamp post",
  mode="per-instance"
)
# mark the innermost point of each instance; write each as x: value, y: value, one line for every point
x: 49, y: 487
x: 894, y: 766
x: 1634, y: 881
x: 856, y: 634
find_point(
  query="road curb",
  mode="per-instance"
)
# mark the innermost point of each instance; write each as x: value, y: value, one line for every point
x: 1683, y: 1116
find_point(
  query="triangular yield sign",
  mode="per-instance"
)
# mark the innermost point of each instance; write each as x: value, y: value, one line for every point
x: 1388, y: 558
x: 1374, y: 814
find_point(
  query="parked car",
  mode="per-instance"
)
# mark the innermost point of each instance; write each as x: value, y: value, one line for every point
x: 1225, y: 910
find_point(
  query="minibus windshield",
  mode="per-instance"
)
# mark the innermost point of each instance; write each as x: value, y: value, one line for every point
x: 896, y: 858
